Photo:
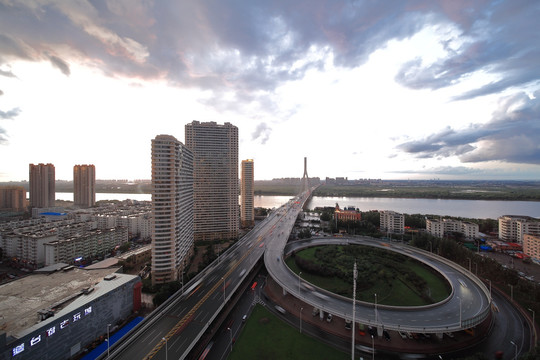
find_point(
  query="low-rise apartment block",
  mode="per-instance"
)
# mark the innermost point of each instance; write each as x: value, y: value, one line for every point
x: 531, y: 246
x: 392, y: 222
x: 512, y: 228
x: 440, y: 227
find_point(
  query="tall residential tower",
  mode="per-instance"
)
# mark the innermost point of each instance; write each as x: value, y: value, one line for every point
x: 12, y: 198
x: 172, y: 208
x: 215, y: 179
x: 84, y: 185
x: 42, y: 186
x: 247, y: 191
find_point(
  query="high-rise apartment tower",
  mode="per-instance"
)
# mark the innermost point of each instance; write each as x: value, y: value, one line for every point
x: 42, y: 186
x: 215, y: 179
x: 247, y: 192
x: 172, y: 208
x: 84, y: 185
x: 12, y: 198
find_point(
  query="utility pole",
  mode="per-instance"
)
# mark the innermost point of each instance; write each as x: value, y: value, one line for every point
x: 355, y: 274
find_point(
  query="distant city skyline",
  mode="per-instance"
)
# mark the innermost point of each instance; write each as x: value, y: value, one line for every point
x: 391, y: 89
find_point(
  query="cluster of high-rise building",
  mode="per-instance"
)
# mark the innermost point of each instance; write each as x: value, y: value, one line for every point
x: 42, y: 189
x: 195, y: 193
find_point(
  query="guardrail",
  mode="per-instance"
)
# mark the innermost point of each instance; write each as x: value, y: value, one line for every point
x: 465, y: 323
x: 156, y: 314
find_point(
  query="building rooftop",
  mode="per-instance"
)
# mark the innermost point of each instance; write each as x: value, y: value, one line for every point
x: 23, y: 299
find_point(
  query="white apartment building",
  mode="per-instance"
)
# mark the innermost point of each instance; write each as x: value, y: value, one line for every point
x: 392, y: 222
x: 470, y: 230
x: 215, y: 179
x: 32, y: 244
x: 512, y: 228
x: 440, y: 227
x: 85, y: 245
x: 247, y: 191
x: 172, y: 208
x: 531, y: 246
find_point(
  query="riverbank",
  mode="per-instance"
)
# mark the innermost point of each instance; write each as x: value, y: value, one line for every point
x: 512, y: 191
x: 456, y: 190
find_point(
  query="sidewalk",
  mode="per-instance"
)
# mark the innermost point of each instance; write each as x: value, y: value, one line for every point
x: 396, y: 344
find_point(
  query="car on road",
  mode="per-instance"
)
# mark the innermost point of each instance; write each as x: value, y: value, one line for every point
x: 329, y: 317
x: 244, y: 318
x: 280, y: 309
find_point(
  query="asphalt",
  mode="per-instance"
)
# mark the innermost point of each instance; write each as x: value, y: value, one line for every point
x: 429, y: 347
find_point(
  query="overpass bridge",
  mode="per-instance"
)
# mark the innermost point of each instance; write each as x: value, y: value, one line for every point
x: 174, y: 328
x: 468, y: 304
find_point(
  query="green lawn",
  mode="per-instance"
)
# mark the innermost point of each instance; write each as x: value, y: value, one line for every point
x: 267, y: 337
x: 392, y: 288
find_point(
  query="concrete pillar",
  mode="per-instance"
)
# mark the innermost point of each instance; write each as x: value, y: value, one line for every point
x: 439, y: 336
x: 284, y: 292
x: 321, y: 315
x: 379, y: 331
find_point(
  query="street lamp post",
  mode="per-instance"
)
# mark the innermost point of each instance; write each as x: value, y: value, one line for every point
x: 469, y: 264
x: 372, y: 348
x: 301, y: 319
x: 533, y: 324
x: 166, y: 348
x: 230, y: 334
x: 108, y: 340
x: 376, y: 316
x: 300, y: 273
x: 222, y: 278
x: 513, y: 343
x: 511, y: 292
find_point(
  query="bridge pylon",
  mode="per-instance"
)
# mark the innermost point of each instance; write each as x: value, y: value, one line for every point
x: 305, y: 177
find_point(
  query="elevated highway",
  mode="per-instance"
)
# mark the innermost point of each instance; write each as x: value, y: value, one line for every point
x: 468, y: 304
x: 174, y: 328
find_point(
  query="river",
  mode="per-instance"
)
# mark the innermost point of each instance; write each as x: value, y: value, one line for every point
x: 474, y: 209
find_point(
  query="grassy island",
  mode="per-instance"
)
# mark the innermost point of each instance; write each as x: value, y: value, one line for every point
x: 396, y: 279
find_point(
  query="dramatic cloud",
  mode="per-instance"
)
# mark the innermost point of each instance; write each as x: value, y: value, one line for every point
x: 60, y: 64
x: 246, y: 46
x: 6, y: 73
x: 261, y: 133
x: 3, y: 136
x: 511, y: 136
x: 499, y: 43
x: 10, y: 114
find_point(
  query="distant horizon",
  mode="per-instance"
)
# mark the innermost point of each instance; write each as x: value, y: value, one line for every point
x: 321, y: 178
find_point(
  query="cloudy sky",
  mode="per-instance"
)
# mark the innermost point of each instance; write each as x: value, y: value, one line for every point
x: 363, y: 89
